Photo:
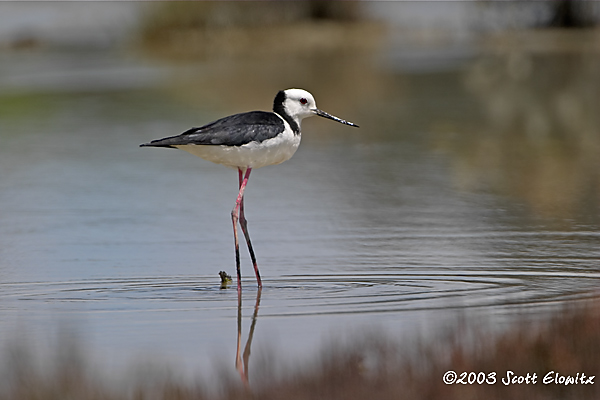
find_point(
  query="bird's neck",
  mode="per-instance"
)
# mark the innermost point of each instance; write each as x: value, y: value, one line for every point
x: 293, y: 122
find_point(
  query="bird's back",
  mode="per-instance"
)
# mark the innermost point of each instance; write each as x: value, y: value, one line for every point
x: 234, y: 130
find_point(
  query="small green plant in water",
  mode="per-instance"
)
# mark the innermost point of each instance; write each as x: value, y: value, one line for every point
x: 225, y: 279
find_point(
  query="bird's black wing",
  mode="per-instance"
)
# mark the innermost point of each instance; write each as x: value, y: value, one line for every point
x: 234, y: 130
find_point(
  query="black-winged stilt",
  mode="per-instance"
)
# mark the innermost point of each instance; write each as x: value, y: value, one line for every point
x: 247, y: 141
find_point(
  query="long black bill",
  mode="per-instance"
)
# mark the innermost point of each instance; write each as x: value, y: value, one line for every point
x: 322, y: 113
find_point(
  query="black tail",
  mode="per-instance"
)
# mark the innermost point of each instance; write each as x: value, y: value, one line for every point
x: 155, y: 144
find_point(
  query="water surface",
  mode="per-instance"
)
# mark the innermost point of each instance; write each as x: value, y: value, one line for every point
x: 432, y: 210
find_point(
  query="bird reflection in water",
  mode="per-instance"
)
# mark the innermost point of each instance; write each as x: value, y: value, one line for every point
x: 241, y: 359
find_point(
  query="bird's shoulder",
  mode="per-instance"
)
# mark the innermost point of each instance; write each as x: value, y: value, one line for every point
x: 236, y: 130
x: 247, y: 118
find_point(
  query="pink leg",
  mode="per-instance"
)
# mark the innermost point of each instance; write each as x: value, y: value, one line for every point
x: 234, y: 219
x: 244, y: 225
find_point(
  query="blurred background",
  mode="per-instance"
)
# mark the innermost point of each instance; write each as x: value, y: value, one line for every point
x: 471, y: 190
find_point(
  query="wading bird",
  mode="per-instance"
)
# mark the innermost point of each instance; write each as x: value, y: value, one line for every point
x: 247, y: 141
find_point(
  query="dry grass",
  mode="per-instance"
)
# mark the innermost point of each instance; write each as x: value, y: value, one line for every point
x: 368, y: 368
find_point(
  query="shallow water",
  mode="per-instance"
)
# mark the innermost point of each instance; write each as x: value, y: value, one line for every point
x: 424, y: 214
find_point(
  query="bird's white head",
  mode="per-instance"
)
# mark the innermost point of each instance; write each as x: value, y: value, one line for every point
x: 299, y: 104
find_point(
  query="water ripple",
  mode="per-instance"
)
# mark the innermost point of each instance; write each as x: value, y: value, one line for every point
x: 302, y: 295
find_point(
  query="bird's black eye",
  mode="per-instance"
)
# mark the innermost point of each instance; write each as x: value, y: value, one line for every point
x: 303, y: 101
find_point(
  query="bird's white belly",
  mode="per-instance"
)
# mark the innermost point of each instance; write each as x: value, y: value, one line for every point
x: 252, y: 155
